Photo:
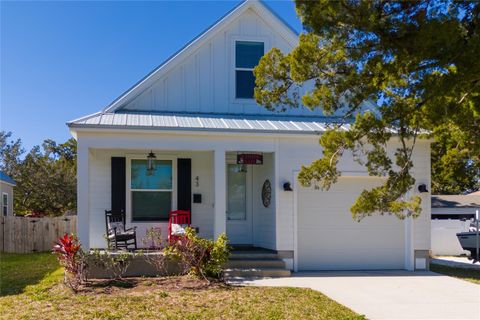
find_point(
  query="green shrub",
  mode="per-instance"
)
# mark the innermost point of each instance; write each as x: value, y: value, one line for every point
x: 201, y: 257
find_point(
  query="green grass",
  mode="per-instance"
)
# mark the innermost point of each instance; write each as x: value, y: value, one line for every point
x: 471, y: 275
x: 32, y: 289
x: 17, y: 271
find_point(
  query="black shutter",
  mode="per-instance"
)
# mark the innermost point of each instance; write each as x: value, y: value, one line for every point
x: 184, y: 182
x: 118, y: 184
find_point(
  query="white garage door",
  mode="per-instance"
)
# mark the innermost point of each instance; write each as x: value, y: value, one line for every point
x: 329, y: 239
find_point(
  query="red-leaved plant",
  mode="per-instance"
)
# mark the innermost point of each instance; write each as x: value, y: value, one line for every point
x: 70, y: 255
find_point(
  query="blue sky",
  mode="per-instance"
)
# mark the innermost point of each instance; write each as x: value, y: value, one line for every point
x: 63, y: 60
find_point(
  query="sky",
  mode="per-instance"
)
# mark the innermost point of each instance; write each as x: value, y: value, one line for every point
x: 63, y: 60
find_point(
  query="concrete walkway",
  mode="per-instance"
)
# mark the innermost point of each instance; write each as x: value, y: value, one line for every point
x: 390, y: 294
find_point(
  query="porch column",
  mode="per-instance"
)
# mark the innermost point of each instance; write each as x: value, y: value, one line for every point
x: 409, y: 247
x: 83, y: 207
x: 220, y: 205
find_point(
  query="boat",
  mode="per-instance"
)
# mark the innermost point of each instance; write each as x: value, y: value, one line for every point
x: 468, y: 241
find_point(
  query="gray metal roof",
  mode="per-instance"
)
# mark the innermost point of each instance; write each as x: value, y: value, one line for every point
x: 207, y: 122
x: 455, y: 201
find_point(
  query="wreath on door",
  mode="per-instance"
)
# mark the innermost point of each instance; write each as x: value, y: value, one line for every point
x: 266, y: 193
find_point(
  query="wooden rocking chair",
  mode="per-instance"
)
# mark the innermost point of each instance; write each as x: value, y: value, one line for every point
x: 117, y: 235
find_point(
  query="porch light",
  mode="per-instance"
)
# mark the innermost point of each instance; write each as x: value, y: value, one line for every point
x: 151, y: 161
x: 422, y: 188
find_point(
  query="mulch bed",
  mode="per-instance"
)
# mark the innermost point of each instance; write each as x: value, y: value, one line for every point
x: 141, y: 285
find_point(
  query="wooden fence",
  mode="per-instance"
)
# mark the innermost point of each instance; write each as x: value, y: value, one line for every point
x: 23, y: 235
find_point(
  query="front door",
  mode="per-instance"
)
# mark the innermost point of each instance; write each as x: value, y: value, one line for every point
x: 239, y: 204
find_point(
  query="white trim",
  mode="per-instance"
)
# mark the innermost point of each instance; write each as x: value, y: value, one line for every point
x: 227, y: 132
x: 295, y: 220
x: 128, y: 181
x: 8, y: 183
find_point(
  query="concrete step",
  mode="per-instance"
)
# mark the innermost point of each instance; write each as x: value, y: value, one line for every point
x: 255, y: 263
x: 246, y: 255
x: 256, y: 272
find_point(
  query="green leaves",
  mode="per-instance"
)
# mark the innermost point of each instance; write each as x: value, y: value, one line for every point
x: 46, y: 179
x: 415, y: 63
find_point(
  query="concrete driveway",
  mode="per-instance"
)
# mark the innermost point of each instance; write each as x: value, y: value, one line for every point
x: 390, y: 294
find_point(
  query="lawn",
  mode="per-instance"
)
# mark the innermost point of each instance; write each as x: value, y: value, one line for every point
x: 461, y: 273
x: 31, y: 288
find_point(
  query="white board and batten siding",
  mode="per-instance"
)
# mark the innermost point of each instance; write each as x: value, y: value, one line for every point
x: 204, y: 81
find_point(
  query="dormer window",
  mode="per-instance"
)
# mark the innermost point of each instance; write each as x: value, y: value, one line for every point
x: 247, y: 56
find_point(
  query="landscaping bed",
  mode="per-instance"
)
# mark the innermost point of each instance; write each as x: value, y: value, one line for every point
x: 32, y: 288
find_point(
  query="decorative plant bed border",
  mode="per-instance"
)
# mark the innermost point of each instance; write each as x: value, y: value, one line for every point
x: 139, y: 265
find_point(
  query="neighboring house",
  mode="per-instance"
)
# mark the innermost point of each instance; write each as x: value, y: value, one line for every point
x: 451, y: 214
x: 6, y: 192
x: 196, y: 113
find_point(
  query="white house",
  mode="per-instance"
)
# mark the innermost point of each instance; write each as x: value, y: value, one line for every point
x: 6, y: 191
x: 197, y: 114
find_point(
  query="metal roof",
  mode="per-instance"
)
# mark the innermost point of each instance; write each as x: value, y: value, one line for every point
x: 208, y: 122
x: 7, y: 179
x: 455, y: 201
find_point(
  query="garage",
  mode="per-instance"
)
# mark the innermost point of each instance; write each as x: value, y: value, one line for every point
x: 329, y: 239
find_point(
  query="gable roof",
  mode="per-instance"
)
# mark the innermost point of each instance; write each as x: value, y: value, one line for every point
x: 285, y: 30
x: 7, y: 179
x: 455, y: 201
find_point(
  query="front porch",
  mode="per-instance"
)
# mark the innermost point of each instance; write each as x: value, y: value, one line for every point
x: 222, y: 195
x: 244, y: 262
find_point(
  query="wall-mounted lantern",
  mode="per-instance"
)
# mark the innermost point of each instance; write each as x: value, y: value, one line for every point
x: 151, y: 161
x: 422, y: 188
x: 287, y: 186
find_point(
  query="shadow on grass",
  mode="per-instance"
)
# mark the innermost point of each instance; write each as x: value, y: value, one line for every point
x: 17, y: 271
x: 471, y: 275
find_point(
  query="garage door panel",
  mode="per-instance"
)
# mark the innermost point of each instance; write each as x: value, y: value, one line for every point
x: 322, y: 240
x: 329, y: 239
x: 360, y: 259
x: 344, y: 217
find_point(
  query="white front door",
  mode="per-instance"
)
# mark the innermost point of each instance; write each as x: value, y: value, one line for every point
x: 239, y: 204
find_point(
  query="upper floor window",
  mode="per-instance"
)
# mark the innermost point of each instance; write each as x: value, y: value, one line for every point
x: 247, y: 56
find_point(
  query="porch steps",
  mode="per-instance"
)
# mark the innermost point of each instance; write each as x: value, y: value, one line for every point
x: 255, y: 263
x: 256, y: 273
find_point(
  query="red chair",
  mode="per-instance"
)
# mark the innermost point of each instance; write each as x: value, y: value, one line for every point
x: 178, y: 219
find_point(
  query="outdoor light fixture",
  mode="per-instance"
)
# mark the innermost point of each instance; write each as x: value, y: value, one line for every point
x: 151, y: 161
x: 422, y: 188
x: 287, y: 187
